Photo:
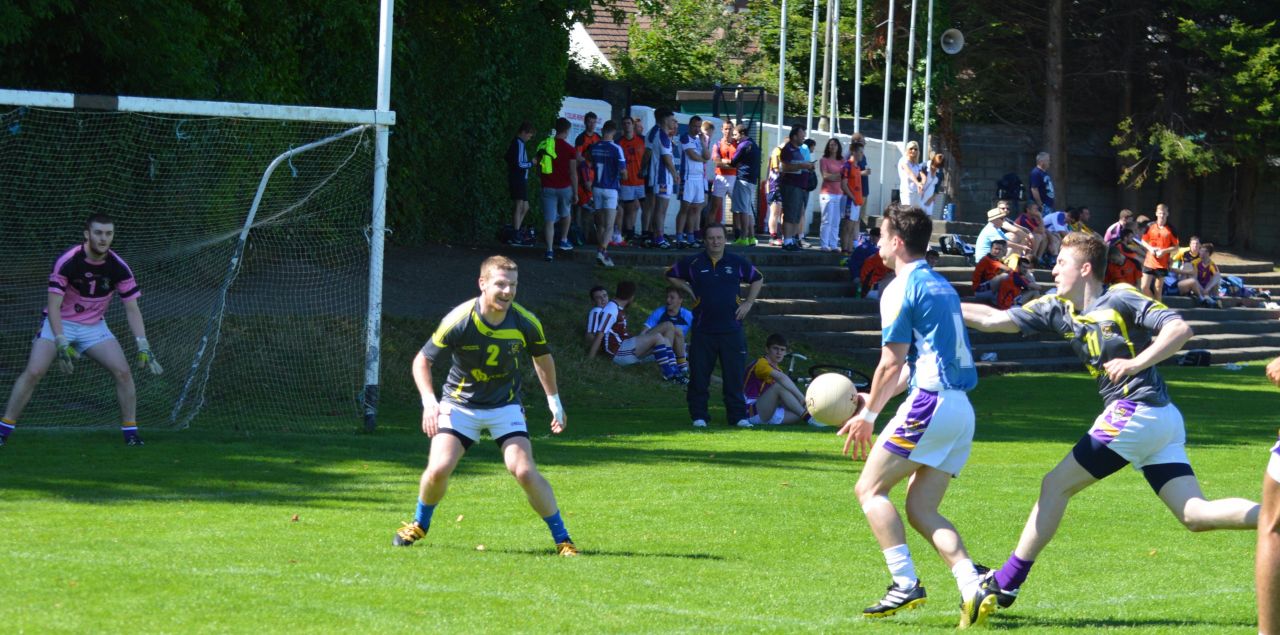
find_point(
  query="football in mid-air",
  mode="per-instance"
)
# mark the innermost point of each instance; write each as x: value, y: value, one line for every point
x: 831, y: 399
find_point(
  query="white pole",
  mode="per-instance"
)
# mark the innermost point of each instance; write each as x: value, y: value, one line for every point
x: 857, y: 74
x: 835, y: 68
x: 378, y: 226
x: 911, y: 62
x: 928, y: 79
x: 813, y: 65
x: 782, y: 66
x: 888, y: 76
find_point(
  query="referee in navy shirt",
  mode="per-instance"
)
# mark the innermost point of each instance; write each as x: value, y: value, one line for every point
x: 713, y: 279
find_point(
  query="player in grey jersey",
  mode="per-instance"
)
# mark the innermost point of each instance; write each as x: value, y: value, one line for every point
x: 1138, y: 425
x: 485, y: 339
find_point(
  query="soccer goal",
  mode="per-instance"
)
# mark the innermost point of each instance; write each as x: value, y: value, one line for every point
x: 254, y: 233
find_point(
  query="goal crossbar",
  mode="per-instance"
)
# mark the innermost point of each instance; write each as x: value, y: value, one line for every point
x: 153, y: 105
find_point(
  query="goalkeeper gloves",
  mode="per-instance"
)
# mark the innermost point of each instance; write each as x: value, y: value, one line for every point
x: 66, y: 354
x: 147, y: 359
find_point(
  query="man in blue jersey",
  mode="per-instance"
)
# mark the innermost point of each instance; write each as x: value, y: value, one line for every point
x: 663, y: 181
x: 926, y: 349
x: 485, y: 339
x: 610, y: 164
x: 1139, y: 425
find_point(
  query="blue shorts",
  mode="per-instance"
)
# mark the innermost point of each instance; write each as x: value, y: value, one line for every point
x: 630, y: 193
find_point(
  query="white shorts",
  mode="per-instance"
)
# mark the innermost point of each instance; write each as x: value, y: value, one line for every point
x: 626, y: 355
x: 603, y: 200
x: 630, y: 193
x: 1273, y: 467
x: 81, y: 336
x: 1141, y: 434
x: 468, y: 423
x: 934, y: 429
x: 692, y: 191
x: 723, y: 184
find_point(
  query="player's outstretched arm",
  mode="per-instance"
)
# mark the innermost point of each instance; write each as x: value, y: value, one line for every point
x: 987, y: 319
x: 1170, y: 340
x: 146, y: 358
x: 545, y: 367
x: 430, y: 407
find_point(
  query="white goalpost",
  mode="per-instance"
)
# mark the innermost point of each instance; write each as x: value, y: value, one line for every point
x: 256, y: 234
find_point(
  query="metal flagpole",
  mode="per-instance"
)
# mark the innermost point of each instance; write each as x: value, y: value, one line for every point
x: 911, y: 62
x: 813, y: 66
x: 782, y: 67
x: 888, y: 76
x: 928, y: 79
x: 835, y: 69
x: 857, y: 73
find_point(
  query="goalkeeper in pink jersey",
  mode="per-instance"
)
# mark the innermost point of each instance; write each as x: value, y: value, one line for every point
x: 83, y: 281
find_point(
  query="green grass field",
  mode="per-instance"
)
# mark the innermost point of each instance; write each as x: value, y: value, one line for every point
x: 723, y: 530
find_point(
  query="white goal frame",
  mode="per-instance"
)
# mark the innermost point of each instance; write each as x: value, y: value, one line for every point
x: 381, y: 118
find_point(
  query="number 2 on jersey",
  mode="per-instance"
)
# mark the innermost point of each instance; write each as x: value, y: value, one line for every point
x: 493, y: 355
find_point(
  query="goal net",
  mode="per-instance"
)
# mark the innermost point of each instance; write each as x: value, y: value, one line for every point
x: 263, y: 330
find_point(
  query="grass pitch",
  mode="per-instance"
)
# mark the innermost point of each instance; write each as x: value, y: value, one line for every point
x: 722, y: 530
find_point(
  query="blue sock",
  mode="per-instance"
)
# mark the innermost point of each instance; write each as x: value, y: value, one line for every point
x: 6, y: 427
x: 129, y: 429
x: 423, y: 515
x: 558, y: 532
x: 666, y: 359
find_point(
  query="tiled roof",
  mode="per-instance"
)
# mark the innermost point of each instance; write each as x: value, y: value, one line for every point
x: 612, y: 37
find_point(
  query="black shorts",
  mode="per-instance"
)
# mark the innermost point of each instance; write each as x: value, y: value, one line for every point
x: 1159, y: 273
x: 518, y: 188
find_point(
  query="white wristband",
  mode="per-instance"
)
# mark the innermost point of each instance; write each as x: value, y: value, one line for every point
x: 869, y: 415
x: 429, y: 400
x: 554, y: 405
x: 142, y: 344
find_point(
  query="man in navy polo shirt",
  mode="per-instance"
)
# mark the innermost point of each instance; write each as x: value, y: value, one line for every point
x: 713, y: 278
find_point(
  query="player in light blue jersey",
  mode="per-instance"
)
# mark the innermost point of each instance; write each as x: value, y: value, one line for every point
x: 925, y: 348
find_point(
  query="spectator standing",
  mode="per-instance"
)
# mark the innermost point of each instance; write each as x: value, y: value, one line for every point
x: 854, y: 195
x: 663, y: 179
x: 773, y: 194
x: 791, y: 183
x: 746, y: 161
x: 1042, y: 184
x: 932, y: 177
x: 610, y: 163
x: 558, y: 172
x: 1161, y: 241
x: 632, y: 190
x: 693, y: 160
x: 518, y: 164
x: 725, y: 174
x: 910, y: 176
x: 586, y: 176
x: 713, y: 279
x: 832, y: 195
x: 1124, y: 222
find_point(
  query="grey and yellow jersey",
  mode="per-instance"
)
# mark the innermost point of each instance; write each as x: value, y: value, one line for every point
x: 1114, y: 326
x: 485, y: 371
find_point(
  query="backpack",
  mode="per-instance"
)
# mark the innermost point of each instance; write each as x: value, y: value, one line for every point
x: 953, y: 245
x: 1197, y: 357
x: 1009, y: 187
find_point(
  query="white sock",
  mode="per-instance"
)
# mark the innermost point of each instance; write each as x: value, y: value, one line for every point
x: 966, y: 577
x: 901, y: 567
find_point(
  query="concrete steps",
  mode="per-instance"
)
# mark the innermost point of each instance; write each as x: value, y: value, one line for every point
x: 805, y: 296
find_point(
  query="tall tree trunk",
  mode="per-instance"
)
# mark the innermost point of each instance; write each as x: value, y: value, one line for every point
x: 1055, y: 134
x: 1128, y: 194
x: 1240, y: 214
x: 1173, y: 190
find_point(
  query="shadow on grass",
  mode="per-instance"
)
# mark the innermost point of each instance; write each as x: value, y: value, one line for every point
x: 1002, y: 621
x: 606, y: 553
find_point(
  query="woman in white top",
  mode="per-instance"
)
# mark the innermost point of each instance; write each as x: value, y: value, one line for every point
x: 910, y: 176
x: 933, y: 174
